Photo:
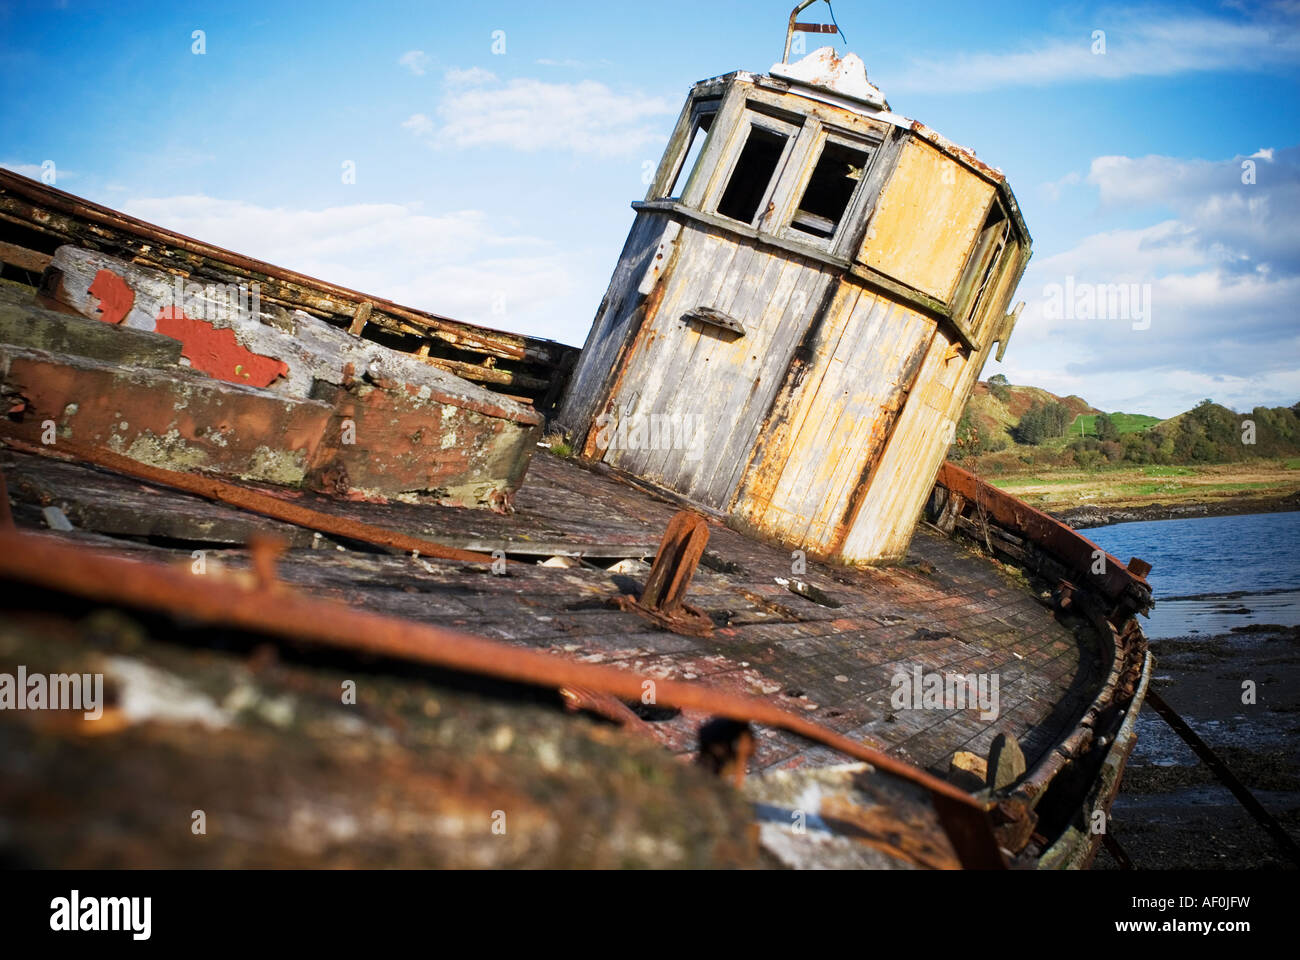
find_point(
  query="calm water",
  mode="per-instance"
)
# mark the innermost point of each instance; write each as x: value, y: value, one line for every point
x: 1210, y: 574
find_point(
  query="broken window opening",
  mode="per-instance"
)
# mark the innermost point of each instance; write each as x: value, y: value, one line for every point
x: 700, y: 133
x: 838, y: 172
x: 753, y: 174
x: 989, y: 251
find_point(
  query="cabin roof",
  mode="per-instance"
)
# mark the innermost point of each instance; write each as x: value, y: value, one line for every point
x: 855, y: 95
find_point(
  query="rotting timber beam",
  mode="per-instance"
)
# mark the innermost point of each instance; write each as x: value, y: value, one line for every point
x: 89, y: 573
x: 65, y: 218
x: 1123, y: 586
x: 254, y: 501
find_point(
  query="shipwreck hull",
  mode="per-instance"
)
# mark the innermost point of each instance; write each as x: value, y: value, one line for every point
x: 342, y: 610
x: 252, y: 664
x: 282, y: 378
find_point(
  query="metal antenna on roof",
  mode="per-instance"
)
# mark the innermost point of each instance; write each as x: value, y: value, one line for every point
x: 832, y: 27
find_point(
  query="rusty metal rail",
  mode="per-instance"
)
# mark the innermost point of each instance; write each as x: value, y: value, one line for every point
x: 1123, y: 585
x: 255, y: 502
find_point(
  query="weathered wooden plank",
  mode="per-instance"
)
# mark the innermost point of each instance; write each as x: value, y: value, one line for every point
x: 811, y: 280
x: 33, y: 261
x: 765, y: 497
x: 615, y: 322
x: 919, y: 443
x: 926, y: 220
x: 754, y: 382
x: 684, y: 396
x: 733, y: 401
x: 667, y: 346
x: 876, y: 374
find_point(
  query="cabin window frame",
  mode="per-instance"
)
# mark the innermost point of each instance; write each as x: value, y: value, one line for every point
x: 700, y: 107
x: 819, y: 136
x: 989, y: 258
x: 790, y: 128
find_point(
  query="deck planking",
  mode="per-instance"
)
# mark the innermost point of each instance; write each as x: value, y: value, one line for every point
x: 946, y: 609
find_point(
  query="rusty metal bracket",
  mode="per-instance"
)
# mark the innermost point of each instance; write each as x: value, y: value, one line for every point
x: 662, y: 600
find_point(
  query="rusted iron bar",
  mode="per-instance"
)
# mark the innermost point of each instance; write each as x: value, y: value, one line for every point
x: 1117, y: 583
x: 679, y: 555
x: 662, y: 600
x: 97, y: 575
x: 603, y: 705
x: 257, y: 502
x: 1224, y: 774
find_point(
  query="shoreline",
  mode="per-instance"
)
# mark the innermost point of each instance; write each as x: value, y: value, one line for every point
x: 1100, y: 515
x: 1171, y: 811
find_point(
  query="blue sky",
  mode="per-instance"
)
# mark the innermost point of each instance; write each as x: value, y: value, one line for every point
x: 494, y: 186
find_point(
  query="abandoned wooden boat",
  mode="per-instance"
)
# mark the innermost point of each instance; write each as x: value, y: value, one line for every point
x: 348, y: 608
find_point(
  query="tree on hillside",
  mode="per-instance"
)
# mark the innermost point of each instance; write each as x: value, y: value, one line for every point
x: 1042, y: 421
x: 1106, y: 429
x: 1000, y: 387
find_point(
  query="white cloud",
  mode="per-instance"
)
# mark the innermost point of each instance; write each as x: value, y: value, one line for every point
x: 1223, y: 274
x: 1054, y: 188
x: 416, y: 61
x: 479, y: 110
x: 458, y: 263
x: 467, y: 77
x: 418, y: 124
x: 1138, y: 43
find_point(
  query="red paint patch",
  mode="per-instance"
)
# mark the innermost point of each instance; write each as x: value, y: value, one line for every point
x: 115, y: 296
x: 217, y: 352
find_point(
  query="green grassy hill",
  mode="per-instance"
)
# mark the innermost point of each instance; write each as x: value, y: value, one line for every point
x: 1086, y: 424
x: 1062, y: 433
